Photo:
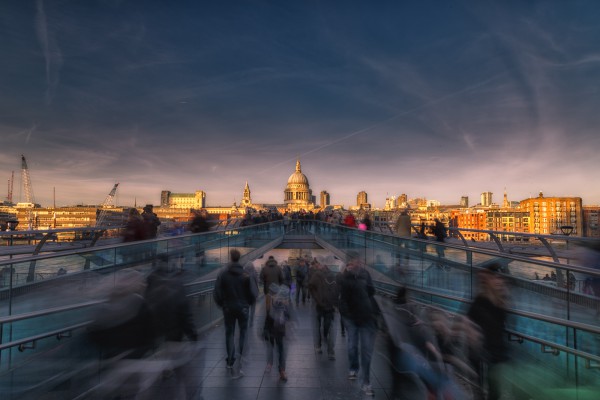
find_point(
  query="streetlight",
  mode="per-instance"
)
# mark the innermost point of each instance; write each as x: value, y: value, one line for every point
x: 566, y: 230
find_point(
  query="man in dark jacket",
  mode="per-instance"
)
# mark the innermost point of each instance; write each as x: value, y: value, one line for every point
x: 234, y: 293
x: 270, y: 273
x: 359, y: 312
x: 323, y: 289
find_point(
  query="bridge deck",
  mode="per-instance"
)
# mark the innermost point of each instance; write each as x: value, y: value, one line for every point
x: 310, y: 375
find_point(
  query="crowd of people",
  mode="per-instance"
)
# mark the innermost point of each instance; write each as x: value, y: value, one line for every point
x: 423, y: 346
x: 426, y: 346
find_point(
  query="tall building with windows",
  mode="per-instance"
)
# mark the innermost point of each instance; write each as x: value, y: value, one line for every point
x: 297, y: 194
x: 486, y: 199
x: 196, y: 200
x: 549, y: 214
x: 325, y: 200
x: 464, y: 201
x: 591, y: 218
x: 362, y: 199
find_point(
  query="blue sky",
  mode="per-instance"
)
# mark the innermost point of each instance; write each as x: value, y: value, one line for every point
x: 435, y: 99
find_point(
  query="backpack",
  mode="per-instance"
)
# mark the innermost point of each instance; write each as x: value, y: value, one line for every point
x: 279, y: 314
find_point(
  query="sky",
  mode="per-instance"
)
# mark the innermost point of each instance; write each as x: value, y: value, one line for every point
x: 434, y: 99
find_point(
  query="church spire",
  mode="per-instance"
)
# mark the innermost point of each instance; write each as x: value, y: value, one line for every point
x: 298, y: 169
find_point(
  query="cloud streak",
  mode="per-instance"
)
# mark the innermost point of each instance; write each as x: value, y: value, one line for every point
x: 52, y: 54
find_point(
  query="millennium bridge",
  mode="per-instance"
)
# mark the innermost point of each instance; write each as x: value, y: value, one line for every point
x: 48, y: 290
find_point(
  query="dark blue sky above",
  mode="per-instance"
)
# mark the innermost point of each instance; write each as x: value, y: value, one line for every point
x: 434, y: 99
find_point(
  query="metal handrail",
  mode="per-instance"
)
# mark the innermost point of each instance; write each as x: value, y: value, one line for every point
x: 33, y: 339
x: 540, y: 317
x: 48, y: 311
x: 558, y: 321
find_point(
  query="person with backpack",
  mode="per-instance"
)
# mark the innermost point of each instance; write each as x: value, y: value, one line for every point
x: 323, y: 288
x: 234, y: 292
x: 270, y: 273
x: 278, y: 314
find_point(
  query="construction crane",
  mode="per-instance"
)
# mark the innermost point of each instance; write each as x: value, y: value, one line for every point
x: 10, y: 187
x: 102, y: 211
x: 26, y: 179
x: 29, y: 198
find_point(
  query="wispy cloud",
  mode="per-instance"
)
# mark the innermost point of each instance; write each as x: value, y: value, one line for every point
x: 52, y: 53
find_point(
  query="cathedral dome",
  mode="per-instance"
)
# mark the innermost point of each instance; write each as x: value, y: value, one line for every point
x: 297, y: 194
x: 298, y: 178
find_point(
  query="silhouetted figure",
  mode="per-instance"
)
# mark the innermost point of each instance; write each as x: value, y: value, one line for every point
x: 488, y: 311
x: 251, y: 271
x: 234, y: 292
x: 123, y: 325
x: 359, y: 311
x: 151, y: 222
x: 199, y: 223
x: 324, y: 291
x: 134, y: 229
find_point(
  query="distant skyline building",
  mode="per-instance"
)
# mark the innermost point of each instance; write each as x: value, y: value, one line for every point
x: 591, y: 219
x: 361, y: 198
x: 196, y: 200
x: 325, y: 200
x: 486, y: 199
x: 402, y: 201
x: 464, y: 201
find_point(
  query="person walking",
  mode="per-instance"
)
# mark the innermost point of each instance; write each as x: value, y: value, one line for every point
x: 270, y: 273
x: 359, y: 311
x: 488, y: 311
x: 278, y: 314
x: 324, y: 291
x: 287, y: 276
x: 301, y: 280
x: 440, y: 232
x: 234, y: 292
x: 251, y: 271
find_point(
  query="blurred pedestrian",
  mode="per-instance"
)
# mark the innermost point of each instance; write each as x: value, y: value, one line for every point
x: 134, y: 227
x: 151, y: 222
x: 488, y: 311
x: 278, y: 315
x: 324, y: 291
x: 251, y: 271
x: 270, y: 273
x: 301, y: 280
x: 360, y: 312
x: 234, y: 292
x: 122, y: 326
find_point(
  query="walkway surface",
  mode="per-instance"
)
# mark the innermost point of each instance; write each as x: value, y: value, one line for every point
x: 311, y: 376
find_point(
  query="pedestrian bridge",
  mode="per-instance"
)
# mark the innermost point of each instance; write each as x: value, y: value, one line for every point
x: 45, y: 304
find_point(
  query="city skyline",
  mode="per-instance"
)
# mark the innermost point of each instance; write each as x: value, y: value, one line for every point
x: 433, y: 99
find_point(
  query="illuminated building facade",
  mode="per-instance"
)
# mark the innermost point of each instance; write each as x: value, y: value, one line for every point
x: 196, y: 200
x: 548, y: 214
